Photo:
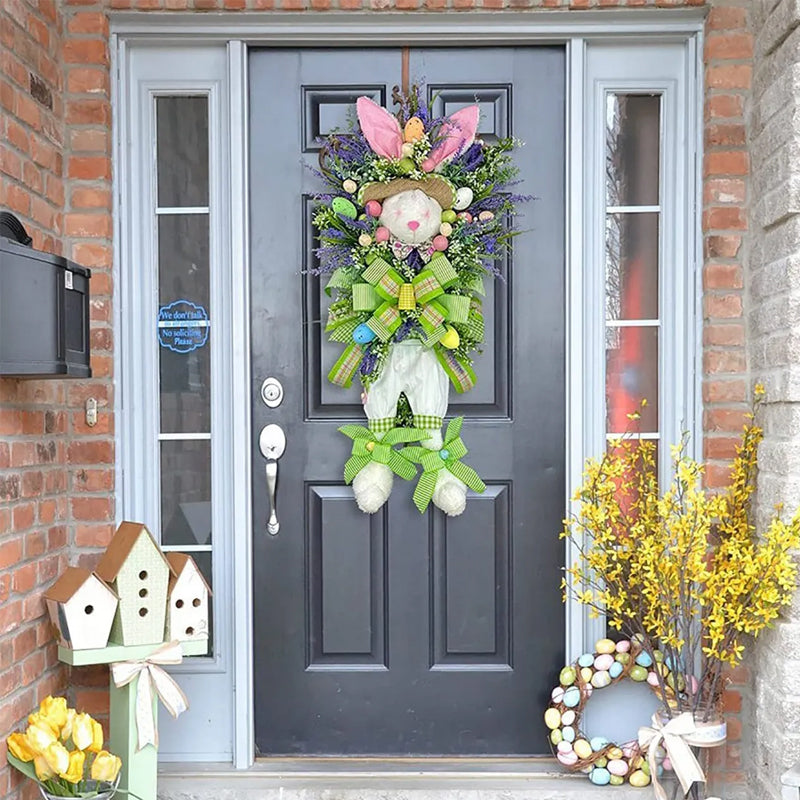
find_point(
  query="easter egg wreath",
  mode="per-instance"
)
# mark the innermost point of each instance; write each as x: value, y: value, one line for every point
x: 605, y: 762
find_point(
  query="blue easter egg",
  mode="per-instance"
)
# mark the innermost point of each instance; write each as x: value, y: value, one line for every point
x: 586, y: 660
x: 363, y: 334
x: 572, y: 697
x: 600, y: 776
x: 598, y: 743
x: 568, y: 733
x: 644, y: 660
x: 615, y: 670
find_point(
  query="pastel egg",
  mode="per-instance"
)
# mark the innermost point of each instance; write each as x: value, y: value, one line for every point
x: 604, y: 661
x: 598, y: 743
x: 572, y: 697
x: 652, y: 678
x: 365, y: 240
x: 464, y: 197
x: 557, y: 695
x: 638, y: 674
x: 628, y: 750
x: 623, y: 658
x: 407, y: 150
x: 618, y: 767
x: 568, y: 733
x: 600, y: 776
x: 451, y: 339
x: 349, y: 185
x: 586, y: 660
x: 639, y: 779
x: 601, y: 762
x: 623, y: 646
x: 666, y: 763
x: 615, y: 752
x: 486, y: 216
x: 564, y: 747
x: 567, y: 759
x: 586, y: 674
x: 555, y: 737
x: 552, y: 718
x: 615, y: 670
x: 645, y: 767
x: 363, y: 334
x: 382, y: 234
x: 406, y: 165
x: 413, y: 130
x: 616, y: 780
x: 448, y: 215
x: 445, y: 229
x: 637, y: 638
x: 605, y: 646
x: 567, y: 676
x: 601, y: 679
x: 373, y: 208
x: 644, y: 659
x: 465, y: 215
x: 440, y: 242
x: 341, y: 205
x: 568, y: 717
x: 582, y: 748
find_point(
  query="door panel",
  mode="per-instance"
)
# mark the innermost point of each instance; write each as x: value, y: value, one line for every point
x: 397, y: 633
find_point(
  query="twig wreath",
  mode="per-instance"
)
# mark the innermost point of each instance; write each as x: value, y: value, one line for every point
x: 604, y: 761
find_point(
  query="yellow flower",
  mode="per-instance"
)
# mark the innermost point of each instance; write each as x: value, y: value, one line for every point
x: 43, y: 771
x: 106, y: 767
x: 41, y: 721
x: 19, y: 747
x: 74, y: 772
x: 40, y: 736
x: 82, y: 733
x: 55, y: 709
x: 66, y: 730
x: 57, y: 757
x: 97, y: 737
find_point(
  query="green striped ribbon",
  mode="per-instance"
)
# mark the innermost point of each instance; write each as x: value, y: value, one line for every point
x: 338, y: 280
x: 443, y: 270
x: 475, y: 284
x: 461, y: 374
x: 367, y: 448
x: 449, y: 458
x: 345, y: 368
x: 375, y: 271
x: 365, y: 297
x: 457, y: 307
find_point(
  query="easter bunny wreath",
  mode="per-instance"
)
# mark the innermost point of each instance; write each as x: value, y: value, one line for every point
x: 417, y: 214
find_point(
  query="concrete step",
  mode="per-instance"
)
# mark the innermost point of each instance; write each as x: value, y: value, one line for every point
x: 367, y: 779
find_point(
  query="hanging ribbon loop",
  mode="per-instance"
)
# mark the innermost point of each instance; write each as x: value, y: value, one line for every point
x: 150, y: 675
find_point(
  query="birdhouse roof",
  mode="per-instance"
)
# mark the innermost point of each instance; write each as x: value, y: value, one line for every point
x: 125, y: 539
x: 72, y: 579
x: 179, y: 562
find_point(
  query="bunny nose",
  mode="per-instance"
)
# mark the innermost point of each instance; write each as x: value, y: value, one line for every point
x: 413, y: 224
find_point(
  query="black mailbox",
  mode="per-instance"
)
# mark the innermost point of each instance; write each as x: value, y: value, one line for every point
x: 44, y: 314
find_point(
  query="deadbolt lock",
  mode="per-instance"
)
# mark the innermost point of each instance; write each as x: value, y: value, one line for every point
x: 272, y: 392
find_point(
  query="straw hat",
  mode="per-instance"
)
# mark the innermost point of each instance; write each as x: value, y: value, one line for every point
x: 441, y: 190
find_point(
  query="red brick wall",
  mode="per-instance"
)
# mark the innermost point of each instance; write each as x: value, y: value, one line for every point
x: 55, y: 170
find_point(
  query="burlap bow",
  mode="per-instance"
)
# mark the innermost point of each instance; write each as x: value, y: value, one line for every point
x: 150, y: 674
x: 679, y: 735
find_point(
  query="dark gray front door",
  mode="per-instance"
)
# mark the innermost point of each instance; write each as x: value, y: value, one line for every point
x: 397, y: 633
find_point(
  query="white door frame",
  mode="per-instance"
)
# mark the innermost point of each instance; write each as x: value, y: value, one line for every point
x: 235, y: 32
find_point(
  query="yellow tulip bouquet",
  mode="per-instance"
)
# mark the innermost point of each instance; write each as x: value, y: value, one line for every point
x: 62, y: 751
x: 682, y: 571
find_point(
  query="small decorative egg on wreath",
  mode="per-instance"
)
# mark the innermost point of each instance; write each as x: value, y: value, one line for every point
x: 604, y: 761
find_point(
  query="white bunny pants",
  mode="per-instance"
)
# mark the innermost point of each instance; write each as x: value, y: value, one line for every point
x: 414, y: 369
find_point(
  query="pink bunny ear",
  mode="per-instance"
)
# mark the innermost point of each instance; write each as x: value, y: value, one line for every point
x: 380, y: 127
x: 458, y: 132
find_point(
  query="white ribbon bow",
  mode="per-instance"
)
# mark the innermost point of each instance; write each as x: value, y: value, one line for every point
x: 150, y: 674
x: 679, y: 735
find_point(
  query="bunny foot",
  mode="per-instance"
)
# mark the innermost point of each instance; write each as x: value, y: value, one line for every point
x: 450, y: 494
x: 372, y: 486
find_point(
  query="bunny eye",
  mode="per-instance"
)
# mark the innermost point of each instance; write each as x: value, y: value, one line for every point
x: 397, y: 212
x: 427, y: 214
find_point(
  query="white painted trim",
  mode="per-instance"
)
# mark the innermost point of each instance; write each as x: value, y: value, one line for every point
x: 166, y: 210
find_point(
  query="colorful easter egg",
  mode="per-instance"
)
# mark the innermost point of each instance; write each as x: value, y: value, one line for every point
x: 413, y: 130
x: 363, y: 334
x: 451, y: 339
x: 582, y: 748
x: 555, y: 737
x: 568, y: 717
x: 623, y: 658
x: 639, y: 779
x: 406, y: 165
x: 603, y: 661
x: 557, y: 695
x: 365, y: 240
x: 615, y: 670
x: 652, y: 678
x: 601, y: 679
x: 600, y: 776
x: 448, y: 215
x: 568, y: 733
x: 567, y: 676
x: 552, y: 718
x: 440, y: 242
x: 486, y: 216
x: 586, y: 674
x: 373, y: 208
x: 623, y: 646
x: 605, y: 646
x: 586, y: 660
x: 618, y: 767
x: 601, y: 762
x: 464, y: 197
x: 341, y: 205
x: 564, y: 747
x: 615, y: 752
x: 349, y: 185
x: 567, y: 759
x: 445, y: 229
x: 638, y: 674
x: 598, y: 743
x: 616, y: 780
x: 644, y: 659
x: 382, y: 234
x: 465, y: 215
x: 407, y: 150
x: 572, y: 697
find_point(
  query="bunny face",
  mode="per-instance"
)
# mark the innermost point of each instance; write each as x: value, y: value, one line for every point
x: 412, y: 216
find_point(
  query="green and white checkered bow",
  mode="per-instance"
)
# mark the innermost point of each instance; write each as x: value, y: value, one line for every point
x: 448, y: 457
x: 368, y: 447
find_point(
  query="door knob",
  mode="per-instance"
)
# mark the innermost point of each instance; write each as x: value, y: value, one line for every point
x: 272, y: 443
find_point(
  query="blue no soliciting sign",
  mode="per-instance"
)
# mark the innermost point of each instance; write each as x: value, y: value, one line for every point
x: 182, y: 326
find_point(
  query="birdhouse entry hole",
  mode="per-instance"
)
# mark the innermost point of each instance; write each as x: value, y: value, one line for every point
x: 179, y: 603
x: 142, y: 612
x: 143, y: 575
x: 88, y: 609
x: 196, y: 602
x: 142, y: 592
x: 189, y: 631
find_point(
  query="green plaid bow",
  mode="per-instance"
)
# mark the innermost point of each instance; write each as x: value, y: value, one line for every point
x: 449, y: 458
x: 367, y: 447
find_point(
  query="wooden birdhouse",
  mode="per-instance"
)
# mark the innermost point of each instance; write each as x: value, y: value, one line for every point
x: 81, y: 608
x: 134, y: 566
x: 187, y: 610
